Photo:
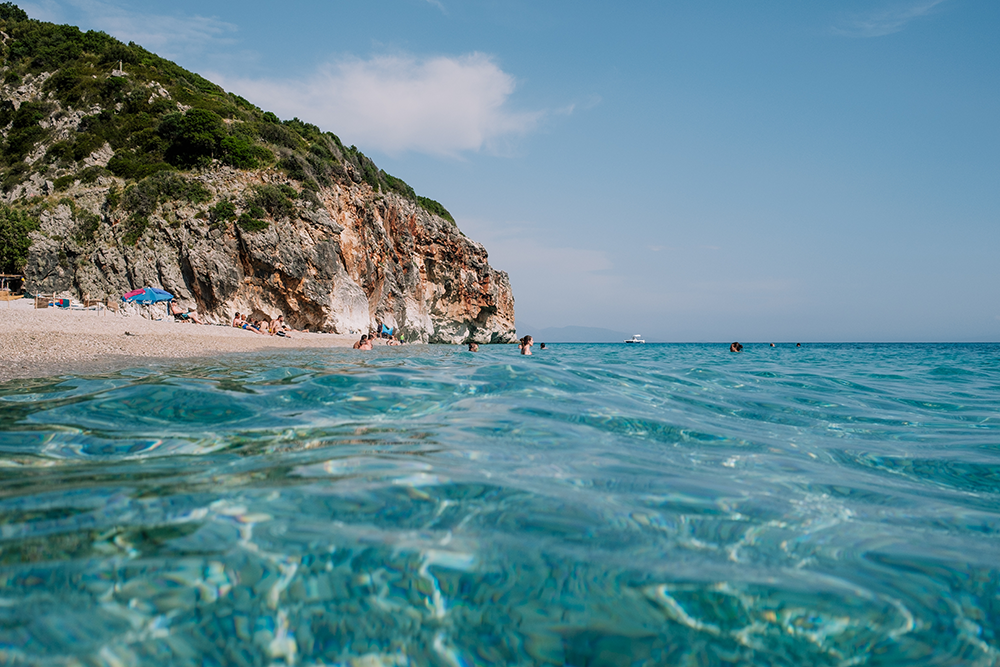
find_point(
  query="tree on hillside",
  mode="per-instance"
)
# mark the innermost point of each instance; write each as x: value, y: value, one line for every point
x: 15, y: 226
x: 11, y: 12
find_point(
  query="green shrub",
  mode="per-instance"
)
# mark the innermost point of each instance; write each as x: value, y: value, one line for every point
x: 87, y: 226
x: 25, y: 130
x: 64, y: 182
x: 61, y: 150
x: 275, y: 200
x: 143, y: 197
x: 279, y: 135
x: 86, y: 144
x: 6, y: 112
x: 397, y: 185
x: 15, y: 226
x: 135, y: 226
x: 113, y: 198
x: 126, y: 164
x: 249, y: 223
x: 222, y: 212
x: 11, y: 12
x: 295, y: 167
x: 16, y: 174
x: 241, y: 153
x: 91, y: 174
x: 434, y: 207
x: 193, y: 136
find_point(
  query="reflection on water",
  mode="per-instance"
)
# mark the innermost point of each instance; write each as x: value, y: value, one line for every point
x: 589, y: 505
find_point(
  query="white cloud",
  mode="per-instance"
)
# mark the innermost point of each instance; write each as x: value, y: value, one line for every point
x: 887, y: 21
x: 440, y: 105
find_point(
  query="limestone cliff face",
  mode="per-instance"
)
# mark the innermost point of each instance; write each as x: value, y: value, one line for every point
x: 353, y: 259
x: 339, y: 261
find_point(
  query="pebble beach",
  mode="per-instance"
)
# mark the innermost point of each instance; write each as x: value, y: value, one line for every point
x: 52, y: 341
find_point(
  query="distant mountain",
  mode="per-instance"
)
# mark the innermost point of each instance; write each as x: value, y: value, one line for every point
x: 572, y: 334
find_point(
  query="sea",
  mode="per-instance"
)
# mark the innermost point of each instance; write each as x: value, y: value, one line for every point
x: 589, y: 505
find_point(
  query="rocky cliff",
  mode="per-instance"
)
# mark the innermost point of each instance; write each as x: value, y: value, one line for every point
x: 236, y: 212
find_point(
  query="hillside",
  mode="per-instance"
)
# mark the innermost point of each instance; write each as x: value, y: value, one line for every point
x: 124, y: 170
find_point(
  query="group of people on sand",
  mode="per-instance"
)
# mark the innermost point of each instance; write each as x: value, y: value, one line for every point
x: 275, y: 327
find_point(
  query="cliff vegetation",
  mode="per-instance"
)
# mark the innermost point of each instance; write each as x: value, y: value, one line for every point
x: 119, y: 168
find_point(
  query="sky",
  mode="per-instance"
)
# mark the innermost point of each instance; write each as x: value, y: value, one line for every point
x: 694, y: 171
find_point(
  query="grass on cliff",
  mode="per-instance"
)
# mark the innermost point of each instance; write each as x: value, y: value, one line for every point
x: 139, y: 118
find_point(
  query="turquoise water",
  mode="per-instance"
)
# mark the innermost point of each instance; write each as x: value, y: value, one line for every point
x: 589, y: 505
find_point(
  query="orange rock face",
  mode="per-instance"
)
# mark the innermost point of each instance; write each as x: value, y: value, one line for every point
x: 348, y: 261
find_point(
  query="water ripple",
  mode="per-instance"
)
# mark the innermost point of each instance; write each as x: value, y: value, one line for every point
x: 595, y: 504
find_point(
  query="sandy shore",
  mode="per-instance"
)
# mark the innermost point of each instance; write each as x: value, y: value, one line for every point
x: 52, y: 341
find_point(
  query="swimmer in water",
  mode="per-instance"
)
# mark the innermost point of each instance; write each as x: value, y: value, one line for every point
x: 473, y: 347
x: 525, y: 345
x: 735, y: 347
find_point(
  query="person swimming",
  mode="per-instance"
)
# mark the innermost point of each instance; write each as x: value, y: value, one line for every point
x: 735, y: 347
x: 473, y: 347
x: 525, y: 345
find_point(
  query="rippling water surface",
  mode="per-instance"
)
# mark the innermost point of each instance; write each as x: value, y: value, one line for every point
x: 589, y: 505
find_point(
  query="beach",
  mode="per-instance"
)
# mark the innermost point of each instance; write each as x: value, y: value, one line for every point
x: 53, y: 341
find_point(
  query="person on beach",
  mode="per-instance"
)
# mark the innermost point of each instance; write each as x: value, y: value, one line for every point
x: 525, y: 345
x: 238, y: 321
x: 184, y: 315
x: 735, y: 347
x: 473, y: 347
x: 278, y: 327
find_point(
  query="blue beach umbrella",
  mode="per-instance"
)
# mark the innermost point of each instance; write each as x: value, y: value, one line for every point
x: 147, y: 295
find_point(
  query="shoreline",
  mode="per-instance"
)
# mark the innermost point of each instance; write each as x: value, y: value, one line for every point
x: 54, y: 341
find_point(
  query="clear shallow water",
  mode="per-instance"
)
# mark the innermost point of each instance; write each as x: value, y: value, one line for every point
x: 589, y: 505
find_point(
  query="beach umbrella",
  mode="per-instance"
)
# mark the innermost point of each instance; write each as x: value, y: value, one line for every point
x: 147, y: 295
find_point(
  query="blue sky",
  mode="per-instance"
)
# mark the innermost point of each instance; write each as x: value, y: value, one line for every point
x: 695, y: 171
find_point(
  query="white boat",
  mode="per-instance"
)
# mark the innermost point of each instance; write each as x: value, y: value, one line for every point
x: 636, y: 338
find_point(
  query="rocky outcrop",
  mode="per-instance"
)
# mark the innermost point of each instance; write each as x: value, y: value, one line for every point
x: 343, y: 262
x: 344, y: 258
